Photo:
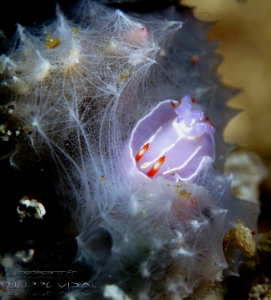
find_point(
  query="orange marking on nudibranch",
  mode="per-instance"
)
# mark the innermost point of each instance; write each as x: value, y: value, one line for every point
x: 193, y: 100
x: 142, y: 151
x: 206, y: 119
x: 156, y: 166
x: 174, y: 105
x: 213, y: 125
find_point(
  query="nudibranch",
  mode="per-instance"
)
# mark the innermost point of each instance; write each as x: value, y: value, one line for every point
x: 173, y: 140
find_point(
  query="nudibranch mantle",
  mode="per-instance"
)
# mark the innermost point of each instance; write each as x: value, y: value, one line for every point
x: 173, y: 140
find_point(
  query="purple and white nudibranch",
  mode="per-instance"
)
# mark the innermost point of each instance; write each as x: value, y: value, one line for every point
x: 173, y: 140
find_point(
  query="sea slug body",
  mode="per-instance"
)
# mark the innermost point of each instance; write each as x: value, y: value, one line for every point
x: 177, y: 132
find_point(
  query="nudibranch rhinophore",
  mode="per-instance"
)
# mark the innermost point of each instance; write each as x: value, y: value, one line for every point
x: 173, y: 140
